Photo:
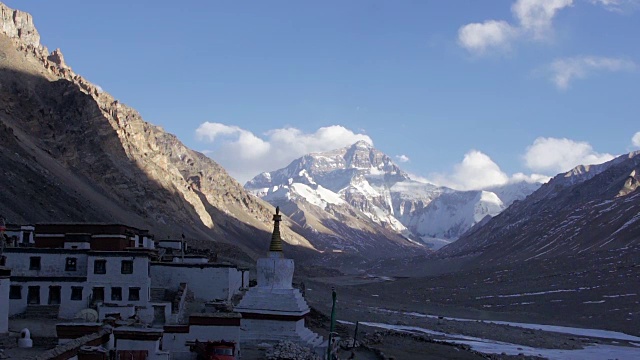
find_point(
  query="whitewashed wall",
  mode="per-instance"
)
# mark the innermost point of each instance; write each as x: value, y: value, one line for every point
x: 235, y: 281
x: 206, y: 282
x: 4, y: 305
x: 114, y: 278
x: 52, y: 263
x: 68, y: 308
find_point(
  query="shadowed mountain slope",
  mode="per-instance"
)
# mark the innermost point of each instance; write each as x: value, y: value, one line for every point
x: 588, y: 209
x: 71, y: 152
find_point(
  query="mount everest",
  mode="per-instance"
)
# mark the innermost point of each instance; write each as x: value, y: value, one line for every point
x: 365, y: 189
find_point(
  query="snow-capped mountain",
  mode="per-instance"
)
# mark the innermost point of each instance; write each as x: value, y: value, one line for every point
x: 363, y: 184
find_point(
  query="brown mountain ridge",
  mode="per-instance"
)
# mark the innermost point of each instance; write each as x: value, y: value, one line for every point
x: 72, y: 153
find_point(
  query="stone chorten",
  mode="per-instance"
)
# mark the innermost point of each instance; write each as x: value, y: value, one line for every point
x: 273, y: 310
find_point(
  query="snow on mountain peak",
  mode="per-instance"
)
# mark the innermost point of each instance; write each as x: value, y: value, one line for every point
x: 367, y: 182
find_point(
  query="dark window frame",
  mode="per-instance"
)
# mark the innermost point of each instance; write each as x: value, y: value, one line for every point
x: 71, y: 264
x: 97, y: 290
x: 134, y: 294
x: 33, y: 290
x: 126, y: 267
x: 55, y: 295
x: 15, y: 294
x: 76, y: 293
x: 114, y: 293
x: 35, y: 263
x: 100, y: 269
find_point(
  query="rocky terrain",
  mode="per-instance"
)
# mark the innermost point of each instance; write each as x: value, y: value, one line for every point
x: 586, y: 210
x: 72, y: 153
x: 339, y: 193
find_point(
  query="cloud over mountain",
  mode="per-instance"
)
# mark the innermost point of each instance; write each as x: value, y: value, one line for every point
x: 478, y: 171
x: 554, y: 155
x: 635, y: 140
x: 245, y: 154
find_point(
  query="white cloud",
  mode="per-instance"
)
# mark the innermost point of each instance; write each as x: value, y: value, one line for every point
x: 479, y: 37
x: 563, y: 71
x: 635, y: 140
x: 535, y: 16
x: 402, y: 158
x: 241, y: 143
x: 553, y: 155
x: 533, y: 20
x: 618, y: 5
x: 244, y: 155
x: 476, y: 171
x: 531, y: 178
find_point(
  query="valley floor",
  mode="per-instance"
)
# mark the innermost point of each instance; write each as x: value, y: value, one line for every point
x: 593, y: 301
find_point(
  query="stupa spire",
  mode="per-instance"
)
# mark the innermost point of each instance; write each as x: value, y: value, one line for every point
x: 276, y: 241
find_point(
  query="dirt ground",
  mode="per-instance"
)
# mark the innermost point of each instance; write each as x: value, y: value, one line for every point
x: 585, y: 294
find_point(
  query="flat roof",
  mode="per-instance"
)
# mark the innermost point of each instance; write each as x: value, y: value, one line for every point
x: 218, y: 315
x: 137, y: 329
x: 194, y: 265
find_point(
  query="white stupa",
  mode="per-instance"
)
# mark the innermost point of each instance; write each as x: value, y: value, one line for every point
x: 273, y: 310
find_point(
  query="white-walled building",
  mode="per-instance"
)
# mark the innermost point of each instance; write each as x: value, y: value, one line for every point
x: 20, y: 235
x: 72, y: 267
x: 207, y: 281
x: 5, y: 281
x: 113, y: 269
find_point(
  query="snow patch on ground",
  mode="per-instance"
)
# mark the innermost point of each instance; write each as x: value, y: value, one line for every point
x: 535, y: 293
x: 487, y: 346
x: 596, y: 333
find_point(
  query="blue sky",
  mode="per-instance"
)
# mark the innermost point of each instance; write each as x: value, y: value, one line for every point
x: 463, y: 89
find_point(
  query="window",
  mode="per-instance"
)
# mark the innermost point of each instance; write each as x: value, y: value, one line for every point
x: 54, y: 295
x: 34, y: 263
x: 97, y: 296
x: 116, y: 294
x: 70, y: 265
x: 33, y: 296
x: 76, y: 293
x: 15, y: 292
x: 26, y: 237
x: 100, y: 267
x: 127, y: 267
x: 134, y: 294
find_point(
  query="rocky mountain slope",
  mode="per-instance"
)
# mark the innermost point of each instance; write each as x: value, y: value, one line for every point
x: 71, y: 152
x: 363, y: 185
x: 586, y: 210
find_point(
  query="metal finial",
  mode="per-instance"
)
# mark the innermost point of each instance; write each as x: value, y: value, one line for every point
x: 276, y: 241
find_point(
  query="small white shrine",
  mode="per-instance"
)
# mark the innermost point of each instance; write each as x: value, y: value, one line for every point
x: 273, y: 310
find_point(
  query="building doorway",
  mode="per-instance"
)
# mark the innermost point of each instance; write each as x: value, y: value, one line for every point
x: 54, y: 295
x: 33, y: 295
x: 158, y: 315
x: 97, y: 296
